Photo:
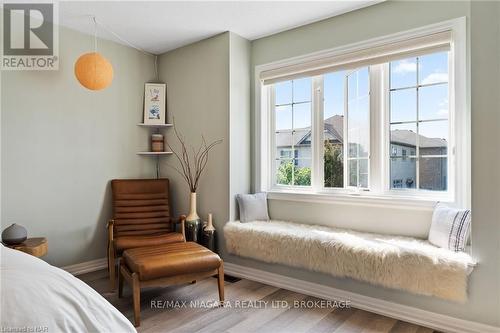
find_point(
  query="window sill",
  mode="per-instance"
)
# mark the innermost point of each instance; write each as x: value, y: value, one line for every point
x: 362, y: 199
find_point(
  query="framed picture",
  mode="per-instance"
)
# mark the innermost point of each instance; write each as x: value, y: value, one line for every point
x: 155, y: 103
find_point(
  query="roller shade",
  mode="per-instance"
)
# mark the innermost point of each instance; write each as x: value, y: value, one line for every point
x: 378, y: 54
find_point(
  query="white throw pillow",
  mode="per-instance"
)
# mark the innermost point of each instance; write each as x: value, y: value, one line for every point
x: 450, y: 227
x: 253, y: 207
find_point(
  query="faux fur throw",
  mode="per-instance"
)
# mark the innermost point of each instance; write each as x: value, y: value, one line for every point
x: 395, y: 262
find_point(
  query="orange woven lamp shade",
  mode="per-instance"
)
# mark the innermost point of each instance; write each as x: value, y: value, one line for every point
x: 93, y: 71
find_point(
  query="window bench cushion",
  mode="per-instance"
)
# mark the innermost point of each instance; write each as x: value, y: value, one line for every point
x: 405, y: 263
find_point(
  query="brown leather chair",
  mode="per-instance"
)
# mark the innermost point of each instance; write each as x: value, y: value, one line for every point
x: 141, y: 217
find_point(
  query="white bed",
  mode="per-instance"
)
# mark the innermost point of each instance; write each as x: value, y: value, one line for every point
x: 38, y: 297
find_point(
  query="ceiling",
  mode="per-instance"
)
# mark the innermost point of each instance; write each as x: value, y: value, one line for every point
x: 158, y: 27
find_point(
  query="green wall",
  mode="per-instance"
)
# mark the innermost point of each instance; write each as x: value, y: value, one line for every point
x: 240, y: 163
x: 197, y: 78
x: 62, y: 143
x: 208, y: 85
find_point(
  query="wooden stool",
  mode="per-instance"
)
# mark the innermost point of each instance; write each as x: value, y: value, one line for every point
x: 35, y: 246
x: 165, y: 265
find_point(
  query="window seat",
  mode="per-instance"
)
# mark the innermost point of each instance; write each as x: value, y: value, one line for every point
x: 405, y: 263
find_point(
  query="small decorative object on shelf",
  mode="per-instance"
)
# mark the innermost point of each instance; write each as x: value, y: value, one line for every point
x: 157, y: 148
x: 15, y: 234
x: 208, y: 238
x: 157, y: 143
x: 155, y: 103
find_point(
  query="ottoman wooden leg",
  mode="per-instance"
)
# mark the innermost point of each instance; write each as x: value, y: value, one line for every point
x: 136, y: 290
x: 220, y: 281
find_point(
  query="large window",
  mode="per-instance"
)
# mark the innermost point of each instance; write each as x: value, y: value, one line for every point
x: 384, y: 127
x: 418, y: 125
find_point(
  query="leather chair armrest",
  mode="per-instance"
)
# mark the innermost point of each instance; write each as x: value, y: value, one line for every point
x: 181, y: 220
x: 110, y: 225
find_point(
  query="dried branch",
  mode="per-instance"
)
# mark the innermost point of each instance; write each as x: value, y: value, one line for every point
x: 191, y: 169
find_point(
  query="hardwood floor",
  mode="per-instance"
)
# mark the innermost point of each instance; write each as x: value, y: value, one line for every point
x: 157, y: 315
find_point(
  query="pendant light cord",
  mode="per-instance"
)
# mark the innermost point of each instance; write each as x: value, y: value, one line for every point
x: 95, y: 48
x: 95, y: 34
x: 120, y: 38
x: 123, y: 40
x: 156, y: 68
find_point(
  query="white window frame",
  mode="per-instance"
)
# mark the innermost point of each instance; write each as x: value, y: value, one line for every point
x: 380, y: 193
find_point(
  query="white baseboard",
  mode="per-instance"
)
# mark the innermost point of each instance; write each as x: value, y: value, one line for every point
x: 87, y: 267
x: 402, y: 312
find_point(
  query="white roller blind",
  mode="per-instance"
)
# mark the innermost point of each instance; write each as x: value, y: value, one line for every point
x: 377, y: 54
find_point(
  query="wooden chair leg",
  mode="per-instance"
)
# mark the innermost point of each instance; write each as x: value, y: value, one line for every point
x: 120, y: 280
x: 136, y: 290
x: 111, y: 267
x: 220, y: 282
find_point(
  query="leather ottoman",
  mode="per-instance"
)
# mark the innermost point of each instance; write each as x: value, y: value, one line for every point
x: 167, y: 264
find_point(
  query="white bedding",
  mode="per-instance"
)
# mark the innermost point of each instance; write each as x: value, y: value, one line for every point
x: 38, y: 297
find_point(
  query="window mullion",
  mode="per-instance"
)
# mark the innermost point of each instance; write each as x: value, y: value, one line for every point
x: 345, y: 143
x: 317, y: 171
x: 293, y: 139
x: 385, y: 127
x: 417, y: 141
x: 377, y: 129
x: 272, y: 138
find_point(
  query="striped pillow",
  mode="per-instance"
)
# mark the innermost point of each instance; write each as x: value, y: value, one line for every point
x: 450, y: 227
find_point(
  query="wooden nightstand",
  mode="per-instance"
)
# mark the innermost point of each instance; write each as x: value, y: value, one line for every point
x: 35, y: 246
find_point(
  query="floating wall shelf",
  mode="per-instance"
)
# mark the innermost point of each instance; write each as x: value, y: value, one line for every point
x: 157, y: 128
x: 155, y: 125
x: 152, y: 153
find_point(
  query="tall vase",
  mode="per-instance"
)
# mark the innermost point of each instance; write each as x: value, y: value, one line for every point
x: 193, y: 221
x: 209, y: 235
x: 193, y: 215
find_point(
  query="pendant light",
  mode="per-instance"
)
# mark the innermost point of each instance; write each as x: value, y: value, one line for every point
x: 92, y: 70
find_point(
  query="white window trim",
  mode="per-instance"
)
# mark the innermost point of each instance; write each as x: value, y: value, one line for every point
x: 459, y: 117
